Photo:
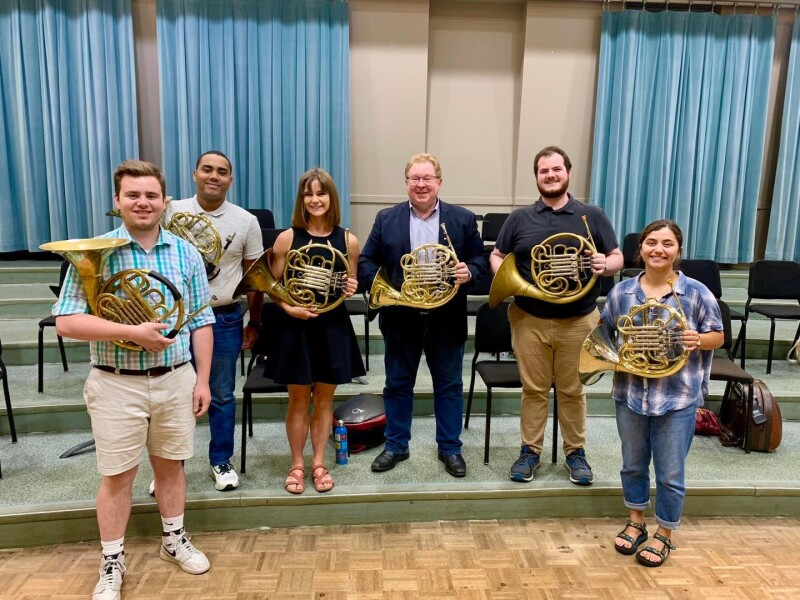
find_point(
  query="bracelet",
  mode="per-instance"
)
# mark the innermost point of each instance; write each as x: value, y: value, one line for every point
x: 254, y: 325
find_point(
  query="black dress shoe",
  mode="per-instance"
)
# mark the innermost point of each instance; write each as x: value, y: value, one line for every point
x: 454, y: 464
x: 386, y: 460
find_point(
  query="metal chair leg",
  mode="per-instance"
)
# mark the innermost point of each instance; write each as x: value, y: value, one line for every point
x: 9, y: 410
x: 555, y: 425
x: 41, y: 359
x: 245, y: 413
x: 488, y: 425
x: 63, y: 353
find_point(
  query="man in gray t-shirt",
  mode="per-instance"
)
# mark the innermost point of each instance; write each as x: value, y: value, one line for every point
x: 239, y: 230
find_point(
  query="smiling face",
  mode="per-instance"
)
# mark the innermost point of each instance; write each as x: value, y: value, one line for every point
x: 552, y: 176
x: 660, y: 249
x: 212, y: 177
x: 316, y: 201
x: 423, y: 186
x: 140, y: 202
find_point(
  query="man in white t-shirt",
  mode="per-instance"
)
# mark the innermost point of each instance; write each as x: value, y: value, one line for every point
x: 239, y: 230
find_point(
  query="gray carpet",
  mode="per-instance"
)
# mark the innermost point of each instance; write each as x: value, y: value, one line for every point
x: 34, y: 475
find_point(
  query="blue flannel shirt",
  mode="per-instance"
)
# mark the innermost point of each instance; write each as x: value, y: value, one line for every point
x: 688, y: 386
x: 172, y: 257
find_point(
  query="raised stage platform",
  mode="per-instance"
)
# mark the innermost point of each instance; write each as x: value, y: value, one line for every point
x: 44, y: 499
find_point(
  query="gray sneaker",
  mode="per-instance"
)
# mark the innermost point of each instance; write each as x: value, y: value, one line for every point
x: 112, y: 572
x: 580, y: 473
x: 526, y: 465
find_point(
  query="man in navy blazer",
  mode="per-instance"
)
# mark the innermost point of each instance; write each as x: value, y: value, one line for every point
x: 408, y: 332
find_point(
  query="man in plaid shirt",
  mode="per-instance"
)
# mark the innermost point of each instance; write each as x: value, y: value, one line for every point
x: 149, y: 398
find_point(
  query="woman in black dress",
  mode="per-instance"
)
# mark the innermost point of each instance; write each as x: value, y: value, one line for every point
x: 314, y: 351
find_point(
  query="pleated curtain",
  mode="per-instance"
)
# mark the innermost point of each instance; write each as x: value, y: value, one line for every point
x: 783, y: 238
x: 264, y: 81
x: 680, y: 124
x: 67, y: 116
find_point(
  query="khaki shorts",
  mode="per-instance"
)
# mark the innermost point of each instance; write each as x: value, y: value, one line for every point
x: 129, y: 412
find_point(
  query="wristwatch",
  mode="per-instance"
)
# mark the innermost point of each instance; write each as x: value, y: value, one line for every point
x: 254, y: 325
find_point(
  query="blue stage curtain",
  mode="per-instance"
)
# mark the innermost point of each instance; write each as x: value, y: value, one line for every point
x: 783, y: 238
x: 67, y: 116
x: 264, y: 81
x: 680, y: 124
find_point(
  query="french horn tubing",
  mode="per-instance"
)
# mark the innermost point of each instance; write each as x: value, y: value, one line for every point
x: 646, y: 342
x: 128, y: 296
x: 199, y: 231
x: 314, y: 276
x: 558, y: 271
x: 429, y: 278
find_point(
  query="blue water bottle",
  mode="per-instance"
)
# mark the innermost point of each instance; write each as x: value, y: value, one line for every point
x: 340, y: 443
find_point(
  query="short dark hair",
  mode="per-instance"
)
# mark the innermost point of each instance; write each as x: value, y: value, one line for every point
x: 218, y: 153
x: 138, y: 168
x: 549, y: 151
x: 334, y: 215
x: 661, y: 224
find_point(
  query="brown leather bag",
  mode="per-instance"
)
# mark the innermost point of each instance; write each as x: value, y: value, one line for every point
x: 763, y: 423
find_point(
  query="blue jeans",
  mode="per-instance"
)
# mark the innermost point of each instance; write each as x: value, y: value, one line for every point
x: 222, y: 412
x: 667, y: 438
x: 402, y: 359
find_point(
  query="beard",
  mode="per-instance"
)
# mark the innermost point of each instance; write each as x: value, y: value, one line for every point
x: 554, y: 193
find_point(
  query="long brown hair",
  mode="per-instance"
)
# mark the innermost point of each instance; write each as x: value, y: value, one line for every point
x: 334, y: 215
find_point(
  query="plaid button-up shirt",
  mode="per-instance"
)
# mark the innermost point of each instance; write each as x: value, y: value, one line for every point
x: 688, y: 386
x: 175, y: 259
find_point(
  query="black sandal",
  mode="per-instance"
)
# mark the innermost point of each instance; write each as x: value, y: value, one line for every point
x: 663, y: 553
x: 635, y: 543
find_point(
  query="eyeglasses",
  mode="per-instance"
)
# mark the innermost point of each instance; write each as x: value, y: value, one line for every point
x: 428, y: 179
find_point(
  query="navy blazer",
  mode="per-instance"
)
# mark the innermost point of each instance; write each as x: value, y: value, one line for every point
x: 390, y: 239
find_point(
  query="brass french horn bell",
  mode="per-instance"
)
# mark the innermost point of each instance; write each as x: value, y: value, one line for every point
x: 649, y: 340
x: 558, y: 267
x: 429, y: 273
x: 127, y: 296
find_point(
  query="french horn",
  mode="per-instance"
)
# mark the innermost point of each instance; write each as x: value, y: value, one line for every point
x: 315, y: 276
x: 128, y: 296
x: 646, y: 342
x: 558, y: 271
x: 429, y: 278
x: 199, y: 231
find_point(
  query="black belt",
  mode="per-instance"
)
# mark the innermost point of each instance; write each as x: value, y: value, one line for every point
x: 225, y: 308
x: 151, y: 372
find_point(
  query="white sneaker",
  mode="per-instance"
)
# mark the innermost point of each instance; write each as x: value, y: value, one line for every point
x: 184, y: 554
x: 152, y: 489
x: 225, y: 478
x: 112, y: 571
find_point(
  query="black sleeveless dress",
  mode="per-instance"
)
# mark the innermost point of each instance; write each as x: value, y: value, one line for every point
x: 321, y: 349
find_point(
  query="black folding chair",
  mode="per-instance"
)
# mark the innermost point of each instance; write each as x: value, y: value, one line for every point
x: 772, y: 280
x: 50, y: 321
x: 359, y: 305
x: 707, y: 272
x: 256, y: 383
x: 490, y: 228
x: 266, y: 220
x: 630, y: 255
x: 492, y: 336
x: 723, y: 368
x: 7, y: 396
